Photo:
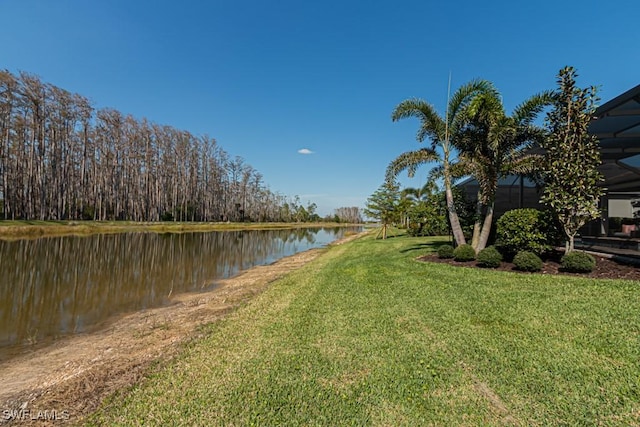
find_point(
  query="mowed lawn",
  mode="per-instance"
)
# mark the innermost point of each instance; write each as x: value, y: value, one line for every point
x: 368, y: 335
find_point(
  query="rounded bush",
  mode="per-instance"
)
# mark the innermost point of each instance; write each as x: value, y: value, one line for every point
x: 489, y: 257
x: 445, y: 251
x: 464, y: 253
x: 527, y: 261
x: 578, y: 262
x: 528, y: 229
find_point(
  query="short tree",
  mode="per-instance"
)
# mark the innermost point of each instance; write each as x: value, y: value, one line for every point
x: 383, y: 205
x: 571, y: 159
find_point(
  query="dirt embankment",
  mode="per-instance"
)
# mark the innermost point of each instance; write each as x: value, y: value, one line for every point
x: 68, y: 380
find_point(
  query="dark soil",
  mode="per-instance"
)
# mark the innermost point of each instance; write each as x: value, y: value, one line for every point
x: 606, y: 268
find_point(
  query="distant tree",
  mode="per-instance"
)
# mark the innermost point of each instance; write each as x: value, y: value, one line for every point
x: 383, y: 205
x: 349, y: 214
x: 572, y: 157
x: 61, y: 159
x: 311, y: 210
x: 331, y: 218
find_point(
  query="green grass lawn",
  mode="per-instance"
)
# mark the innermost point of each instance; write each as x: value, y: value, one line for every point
x: 367, y: 335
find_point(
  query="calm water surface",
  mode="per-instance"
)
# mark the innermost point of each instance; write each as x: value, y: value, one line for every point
x: 53, y: 287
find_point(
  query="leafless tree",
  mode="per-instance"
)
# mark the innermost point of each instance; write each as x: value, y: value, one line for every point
x: 62, y: 159
x: 348, y: 214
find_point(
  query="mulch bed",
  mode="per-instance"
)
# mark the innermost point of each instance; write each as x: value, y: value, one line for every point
x: 606, y: 268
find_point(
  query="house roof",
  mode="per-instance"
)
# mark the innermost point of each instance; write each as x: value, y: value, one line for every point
x: 616, y: 124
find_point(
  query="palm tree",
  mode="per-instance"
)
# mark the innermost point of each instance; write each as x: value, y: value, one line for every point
x: 442, y: 132
x: 492, y: 145
x: 419, y: 194
x: 412, y: 197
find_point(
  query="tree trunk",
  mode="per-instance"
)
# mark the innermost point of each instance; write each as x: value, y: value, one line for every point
x: 477, y: 225
x: 486, y: 228
x: 569, y: 245
x: 456, y: 228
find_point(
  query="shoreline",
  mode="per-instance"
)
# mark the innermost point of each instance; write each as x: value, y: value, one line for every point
x: 77, y: 373
x: 17, y: 230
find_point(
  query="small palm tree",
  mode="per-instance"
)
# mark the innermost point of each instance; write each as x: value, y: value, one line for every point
x: 441, y: 132
x: 412, y: 197
x: 493, y: 144
x: 419, y: 194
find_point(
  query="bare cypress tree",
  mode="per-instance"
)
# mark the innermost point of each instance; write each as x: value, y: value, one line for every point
x: 59, y: 158
x: 8, y: 107
x: 86, y: 157
x: 348, y: 214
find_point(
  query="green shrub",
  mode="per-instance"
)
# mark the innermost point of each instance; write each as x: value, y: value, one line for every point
x: 425, y: 219
x: 578, y: 262
x: 415, y: 229
x: 489, y: 257
x: 530, y: 230
x: 445, y: 251
x: 527, y: 261
x: 464, y: 253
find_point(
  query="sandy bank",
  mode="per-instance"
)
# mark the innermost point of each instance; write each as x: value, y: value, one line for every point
x: 73, y: 376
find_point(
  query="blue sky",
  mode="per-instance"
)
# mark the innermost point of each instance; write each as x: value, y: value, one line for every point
x: 269, y: 78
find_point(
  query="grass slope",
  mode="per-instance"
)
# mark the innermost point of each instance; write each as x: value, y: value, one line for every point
x: 366, y: 335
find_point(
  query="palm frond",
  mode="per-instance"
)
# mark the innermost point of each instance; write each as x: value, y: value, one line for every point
x: 429, y: 187
x: 525, y: 164
x: 485, y: 106
x: 410, y: 161
x: 436, y: 173
x: 463, y: 167
x: 431, y: 124
x: 528, y: 111
x: 410, y: 191
x: 464, y: 95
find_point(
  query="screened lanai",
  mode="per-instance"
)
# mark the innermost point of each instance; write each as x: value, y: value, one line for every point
x: 616, y: 124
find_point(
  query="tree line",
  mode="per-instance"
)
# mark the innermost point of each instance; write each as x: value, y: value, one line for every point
x: 349, y: 214
x: 61, y: 159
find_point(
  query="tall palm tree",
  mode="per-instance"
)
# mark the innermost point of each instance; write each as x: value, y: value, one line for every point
x: 493, y: 144
x: 441, y: 132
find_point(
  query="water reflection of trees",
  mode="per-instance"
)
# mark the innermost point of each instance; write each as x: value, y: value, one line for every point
x: 57, y: 286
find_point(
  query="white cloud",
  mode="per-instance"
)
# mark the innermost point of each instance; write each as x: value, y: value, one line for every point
x: 305, y: 151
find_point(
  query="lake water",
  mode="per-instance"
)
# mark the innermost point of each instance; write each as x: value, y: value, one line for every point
x: 53, y: 287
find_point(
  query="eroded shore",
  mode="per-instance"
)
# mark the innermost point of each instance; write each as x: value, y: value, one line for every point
x: 13, y: 230
x: 73, y: 376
